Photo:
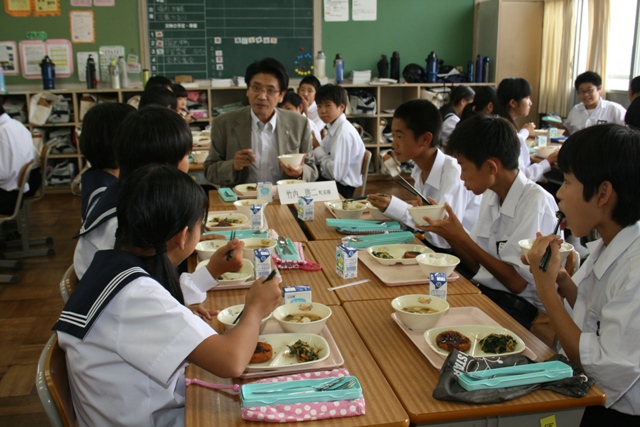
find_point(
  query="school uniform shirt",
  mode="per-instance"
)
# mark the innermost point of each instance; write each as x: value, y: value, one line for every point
x: 16, y: 150
x: 606, y: 310
x: 315, y: 131
x: 605, y: 112
x: 450, y: 122
x: 127, y: 368
x: 340, y: 153
x: 443, y: 185
x: 312, y: 110
x: 528, y: 208
x: 533, y: 171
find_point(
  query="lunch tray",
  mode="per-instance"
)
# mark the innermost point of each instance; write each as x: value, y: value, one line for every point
x: 398, y: 275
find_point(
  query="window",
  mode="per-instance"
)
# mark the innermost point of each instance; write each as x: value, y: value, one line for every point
x: 621, y: 46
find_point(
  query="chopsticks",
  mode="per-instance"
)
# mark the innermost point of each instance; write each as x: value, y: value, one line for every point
x: 544, y: 262
x: 410, y: 188
x: 359, y: 282
x: 269, y: 277
x: 230, y: 252
x: 392, y: 165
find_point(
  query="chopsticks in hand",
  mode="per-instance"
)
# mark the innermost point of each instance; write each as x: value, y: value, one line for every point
x: 230, y: 252
x: 544, y: 262
x: 269, y: 277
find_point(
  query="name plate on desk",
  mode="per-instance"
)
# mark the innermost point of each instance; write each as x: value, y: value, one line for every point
x: 320, y: 191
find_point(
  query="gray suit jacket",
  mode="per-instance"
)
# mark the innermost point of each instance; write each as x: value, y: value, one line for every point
x: 231, y: 132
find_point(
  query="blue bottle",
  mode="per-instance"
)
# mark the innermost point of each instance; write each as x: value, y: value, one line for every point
x: 485, y: 69
x: 338, y: 63
x: 432, y: 67
x: 48, y: 69
x: 479, y: 69
x: 470, y: 73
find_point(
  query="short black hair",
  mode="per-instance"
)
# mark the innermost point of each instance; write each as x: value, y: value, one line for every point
x: 160, y: 96
x: 99, y: 126
x: 515, y: 88
x: 268, y: 66
x: 311, y: 80
x: 632, y: 116
x: 158, y: 81
x: 486, y: 136
x: 152, y: 135
x: 634, y: 86
x: 606, y: 152
x: 178, y: 90
x: 484, y: 96
x: 588, y: 77
x: 292, y: 98
x: 421, y: 116
x: 334, y: 93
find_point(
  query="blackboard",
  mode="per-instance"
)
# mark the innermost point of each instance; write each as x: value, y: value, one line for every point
x: 220, y: 38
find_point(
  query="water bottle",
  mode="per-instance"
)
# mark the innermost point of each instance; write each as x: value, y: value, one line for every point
x: 48, y: 69
x: 432, y: 67
x: 90, y: 73
x: 122, y: 71
x: 485, y: 69
x: 470, y: 73
x: 145, y: 77
x: 338, y: 63
x: 320, y: 67
x: 3, y: 86
x: 383, y: 67
x: 395, y: 66
x: 114, y: 75
x: 479, y: 69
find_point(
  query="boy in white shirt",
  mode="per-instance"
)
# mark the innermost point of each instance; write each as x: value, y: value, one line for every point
x: 513, y: 208
x: 416, y: 130
x: 293, y: 102
x: 340, y: 154
x: 593, y: 109
x: 601, y: 190
x: 307, y: 90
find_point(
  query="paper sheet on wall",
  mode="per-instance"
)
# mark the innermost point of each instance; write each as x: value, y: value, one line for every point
x: 46, y: 7
x: 80, y: 3
x: 104, y: 2
x: 17, y: 7
x: 107, y: 54
x: 364, y: 10
x: 9, y: 58
x: 31, y: 54
x: 61, y: 53
x: 336, y: 10
x: 82, y: 65
x: 82, y: 29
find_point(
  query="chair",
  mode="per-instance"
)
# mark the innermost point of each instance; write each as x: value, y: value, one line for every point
x: 25, y: 242
x: 68, y: 283
x: 365, y: 173
x: 53, y: 385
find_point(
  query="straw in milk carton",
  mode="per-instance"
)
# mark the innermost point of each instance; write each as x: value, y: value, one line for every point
x: 346, y: 261
x: 305, y: 208
x: 264, y: 191
x: 262, y: 262
x: 438, y: 285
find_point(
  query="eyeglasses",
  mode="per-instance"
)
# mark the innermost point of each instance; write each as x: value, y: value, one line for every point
x: 269, y: 91
x: 586, y: 91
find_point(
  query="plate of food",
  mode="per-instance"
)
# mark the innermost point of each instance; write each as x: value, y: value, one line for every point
x: 279, y: 351
x: 233, y: 277
x: 226, y: 221
x: 246, y: 190
x: 404, y: 254
x: 474, y: 340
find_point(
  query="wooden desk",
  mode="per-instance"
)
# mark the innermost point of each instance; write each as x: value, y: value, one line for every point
x: 325, y: 252
x: 413, y: 378
x: 205, y: 407
x: 318, y: 228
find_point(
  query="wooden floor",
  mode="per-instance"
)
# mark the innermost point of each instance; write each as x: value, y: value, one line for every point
x: 29, y: 309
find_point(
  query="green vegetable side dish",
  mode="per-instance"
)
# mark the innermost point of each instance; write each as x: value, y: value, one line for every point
x: 498, y: 343
x: 303, y: 351
x: 382, y: 255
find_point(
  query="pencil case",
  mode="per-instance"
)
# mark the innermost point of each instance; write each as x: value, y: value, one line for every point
x: 513, y: 376
x: 227, y: 195
x: 300, y: 391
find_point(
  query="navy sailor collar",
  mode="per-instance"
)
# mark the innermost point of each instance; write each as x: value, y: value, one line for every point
x: 104, y: 209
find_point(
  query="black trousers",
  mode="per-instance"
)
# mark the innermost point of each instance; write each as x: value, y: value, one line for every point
x: 8, y: 198
x: 519, y: 308
x: 599, y: 416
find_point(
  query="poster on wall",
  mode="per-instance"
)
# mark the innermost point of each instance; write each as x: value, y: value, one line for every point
x: 364, y: 10
x: 46, y: 7
x: 61, y: 53
x: 31, y: 54
x: 82, y: 26
x: 336, y: 10
x: 107, y: 54
x: 80, y: 3
x: 17, y: 8
x: 104, y: 2
x: 9, y: 58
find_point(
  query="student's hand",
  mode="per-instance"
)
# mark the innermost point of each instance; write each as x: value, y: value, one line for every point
x: 380, y: 201
x: 553, y: 157
x: 264, y: 296
x: 200, y: 311
x: 189, y: 117
x: 243, y: 159
x: 213, y: 237
x: 305, y: 106
x: 314, y: 141
x: 529, y: 127
x: 218, y: 263
x: 291, y: 171
x: 450, y: 228
x: 545, y: 281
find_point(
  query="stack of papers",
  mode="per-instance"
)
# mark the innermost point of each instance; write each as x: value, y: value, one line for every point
x: 221, y: 82
x: 361, y: 77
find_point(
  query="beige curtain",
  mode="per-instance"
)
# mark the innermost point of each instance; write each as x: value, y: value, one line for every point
x: 558, y: 53
x: 599, y: 23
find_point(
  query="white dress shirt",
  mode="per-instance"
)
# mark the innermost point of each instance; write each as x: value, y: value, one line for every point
x: 606, y: 310
x: 443, y: 185
x: 315, y: 131
x: 312, y: 110
x: 129, y: 368
x: 448, y: 125
x: 341, y: 153
x: 605, y: 112
x: 16, y: 150
x: 265, y: 147
x: 526, y: 209
x: 533, y: 171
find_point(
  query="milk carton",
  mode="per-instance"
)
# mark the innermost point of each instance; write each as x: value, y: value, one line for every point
x: 553, y: 132
x: 262, y: 262
x: 541, y: 140
x: 256, y: 217
x: 438, y: 285
x: 305, y: 208
x: 346, y: 261
x: 264, y: 190
x: 300, y: 293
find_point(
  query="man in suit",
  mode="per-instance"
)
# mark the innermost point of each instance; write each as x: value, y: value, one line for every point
x: 246, y: 143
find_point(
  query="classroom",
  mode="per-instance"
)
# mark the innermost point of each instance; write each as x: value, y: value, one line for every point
x: 378, y: 203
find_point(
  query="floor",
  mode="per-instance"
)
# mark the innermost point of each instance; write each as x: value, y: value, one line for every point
x: 29, y: 309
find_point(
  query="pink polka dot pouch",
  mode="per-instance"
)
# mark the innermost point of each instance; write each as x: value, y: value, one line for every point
x: 303, y: 397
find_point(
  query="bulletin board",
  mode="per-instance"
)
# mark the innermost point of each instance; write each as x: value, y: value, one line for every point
x: 115, y: 25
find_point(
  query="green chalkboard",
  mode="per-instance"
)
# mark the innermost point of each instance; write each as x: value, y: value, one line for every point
x: 114, y: 26
x: 219, y: 38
